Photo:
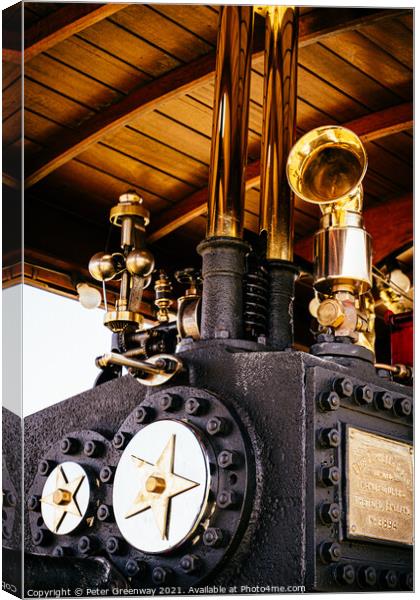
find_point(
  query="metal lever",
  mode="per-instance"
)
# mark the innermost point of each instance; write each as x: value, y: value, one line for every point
x: 156, y: 370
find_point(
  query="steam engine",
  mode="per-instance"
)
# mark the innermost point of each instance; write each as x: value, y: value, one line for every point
x: 224, y: 457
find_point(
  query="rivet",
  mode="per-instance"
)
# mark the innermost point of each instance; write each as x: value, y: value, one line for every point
x: 92, y: 448
x: 45, y: 467
x: 69, y: 445
x: 144, y: 414
x: 121, y: 440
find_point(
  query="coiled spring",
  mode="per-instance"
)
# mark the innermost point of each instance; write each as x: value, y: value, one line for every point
x: 256, y: 302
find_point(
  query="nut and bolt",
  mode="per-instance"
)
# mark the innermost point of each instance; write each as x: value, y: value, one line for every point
x: 329, y: 437
x: 93, y: 448
x: 104, y: 513
x: 330, y: 552
x: 329, y: 401
x: 144, y: 414
x: 114, y: 545
x: 367, y: 576
x: 69, y: 445
x: 383, y: 401
x: 227, y: 499
x: 121, y: 440
x: 170, y: 402
x: 330, y: 475
x: 195, y: 406
x: 135, y: 566
x: 403, y: 407
x: 161, y: 575
x: 214, y: 537
x: 228, y: 459
x: 389, y: 579
x: 34, y: 503
x: 45, y: 467
x: 86, y: 544
x: 343, y: 387
x: 363, y: 395
x: 330, y: 513
x: 190, y: 563
x: 217, y: 426
x: 106, y: 474
x: 345, y: 574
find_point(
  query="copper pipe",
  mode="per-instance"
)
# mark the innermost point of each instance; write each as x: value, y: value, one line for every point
x: 230, y: 123
x: 279, y: 126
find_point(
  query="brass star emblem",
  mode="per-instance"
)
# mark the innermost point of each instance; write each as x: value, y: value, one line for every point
x: 159, y: 484
x: 64, y: 498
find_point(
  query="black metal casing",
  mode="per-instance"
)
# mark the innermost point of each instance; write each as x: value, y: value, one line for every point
x: 276, y: 396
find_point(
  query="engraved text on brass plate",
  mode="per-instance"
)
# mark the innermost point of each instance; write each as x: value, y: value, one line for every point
x: 379, y: 488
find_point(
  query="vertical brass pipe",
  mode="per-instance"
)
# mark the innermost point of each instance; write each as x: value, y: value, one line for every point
x: 223, y: 251
x: 230, y: 122
x: 278, y: 136
x: 279, y: 126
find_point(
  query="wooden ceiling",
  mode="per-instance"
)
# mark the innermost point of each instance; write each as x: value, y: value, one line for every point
x: 120, y: 96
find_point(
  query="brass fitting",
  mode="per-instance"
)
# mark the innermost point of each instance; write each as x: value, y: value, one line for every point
x: 163, y: 300
x: 330, y: 313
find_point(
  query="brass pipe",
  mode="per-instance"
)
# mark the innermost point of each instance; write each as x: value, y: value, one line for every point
x: 279, y: 127
x: 230, y: 123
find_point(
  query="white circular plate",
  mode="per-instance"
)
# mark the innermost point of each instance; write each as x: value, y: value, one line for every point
x: 64, y: 517
x: 157, y: 520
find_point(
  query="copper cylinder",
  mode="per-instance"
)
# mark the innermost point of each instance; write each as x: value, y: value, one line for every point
x: 230, y: 123
x: 279, y: 126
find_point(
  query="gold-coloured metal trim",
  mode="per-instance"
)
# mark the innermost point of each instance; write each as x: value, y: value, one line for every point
x: 279, y: 126
x: 230, y: 122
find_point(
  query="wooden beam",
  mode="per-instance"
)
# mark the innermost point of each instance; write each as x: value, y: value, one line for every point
x: 390, y: 224
x: 371, y: 127
x: 56, y: 27
x: 384, y: 122
x: 313, y: 27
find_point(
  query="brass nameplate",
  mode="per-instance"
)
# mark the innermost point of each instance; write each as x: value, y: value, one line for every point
x: 379, y: 488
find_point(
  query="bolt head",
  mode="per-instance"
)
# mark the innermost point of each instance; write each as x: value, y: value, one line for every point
x: 330, y: 552
x: 134, y: 567
x: 170, y: 402
x: 228, y: 459
x: 345, y: 574
x: 10, y: 499
x: 227, y: 499
x: 68, y: 445
x: 217, y: 426
x: 403, y: 407
x: 161, y: 575
x: 329, y: 437
x: 85, y: 545
x: 329, y: 401
x: 120, y: 440
x: 190, y: 563
x: 214, y: 537
x: 92, y: 448
x: 195, y: 406
x: 407, y: 581
x: 104, y: 513
x: 330, y: 513
x: 45, y: 467
x: 40, y: 537
x: 343, y: 386
x: 106, y: 474
x: 58, y: 551
x: 384, y: 401
x: 113, y: 545
x: 390, y: 579
x: 144, y: 414
x: 330, y: 475
x: 367, y: 576
x: 33, y: 503
x: 364, y: 395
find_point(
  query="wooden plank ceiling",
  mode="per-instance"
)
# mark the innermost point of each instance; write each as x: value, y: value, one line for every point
x: 120, y: 96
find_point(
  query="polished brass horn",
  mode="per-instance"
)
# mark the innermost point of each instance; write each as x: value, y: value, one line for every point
x: 326, y: 167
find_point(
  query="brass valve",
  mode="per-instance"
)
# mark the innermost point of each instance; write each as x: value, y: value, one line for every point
x: 163, y: 296
x: 189, y: 305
